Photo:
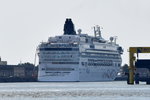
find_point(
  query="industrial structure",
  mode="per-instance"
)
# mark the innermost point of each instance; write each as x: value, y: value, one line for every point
x: 139, y: 70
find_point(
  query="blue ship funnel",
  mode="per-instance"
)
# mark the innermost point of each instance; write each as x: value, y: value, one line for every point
x: 69, y: 27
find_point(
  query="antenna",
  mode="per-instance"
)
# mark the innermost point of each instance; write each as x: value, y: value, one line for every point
x: 20, y: 62
x: 35, y: 56
x: 35, y: 59
x: 34, y: 69
x: 115, y: 38
x: 97, y: 31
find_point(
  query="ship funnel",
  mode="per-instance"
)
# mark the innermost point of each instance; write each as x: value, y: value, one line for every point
x: 69, y: 27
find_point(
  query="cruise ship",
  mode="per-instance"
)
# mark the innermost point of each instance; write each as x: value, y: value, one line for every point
x: 79, y: 57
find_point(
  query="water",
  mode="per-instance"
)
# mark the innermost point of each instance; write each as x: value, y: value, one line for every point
x: 74, y: 91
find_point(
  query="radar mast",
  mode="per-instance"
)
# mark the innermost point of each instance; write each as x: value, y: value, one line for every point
x: 97, y: 31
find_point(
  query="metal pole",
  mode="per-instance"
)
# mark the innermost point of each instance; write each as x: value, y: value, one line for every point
x: 131, y: 67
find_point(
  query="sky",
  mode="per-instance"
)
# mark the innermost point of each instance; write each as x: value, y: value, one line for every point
x: 26, y: 23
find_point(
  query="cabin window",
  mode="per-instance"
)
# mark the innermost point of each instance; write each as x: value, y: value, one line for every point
x: 92, y: 46
x: 59, y: 37
x: 83, y: 63
x: 43, y: 68
x: 86, y: 40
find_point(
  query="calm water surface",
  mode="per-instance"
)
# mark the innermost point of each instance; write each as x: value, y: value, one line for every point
x: 115, y: 90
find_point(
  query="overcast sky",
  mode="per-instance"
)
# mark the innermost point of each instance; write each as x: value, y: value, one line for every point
x: 25, y: 23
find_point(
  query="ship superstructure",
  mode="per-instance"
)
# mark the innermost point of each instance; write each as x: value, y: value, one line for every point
x: 78, y: 57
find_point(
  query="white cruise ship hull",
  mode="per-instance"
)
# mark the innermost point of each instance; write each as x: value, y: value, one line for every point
x: 58, y: 73
x: 98, y: 74
x: 79, y: 74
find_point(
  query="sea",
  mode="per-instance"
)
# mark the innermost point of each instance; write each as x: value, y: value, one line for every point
x: 114, y: 90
